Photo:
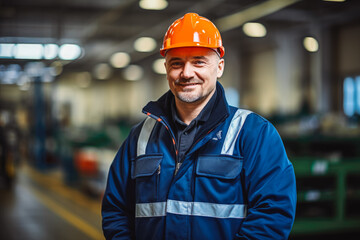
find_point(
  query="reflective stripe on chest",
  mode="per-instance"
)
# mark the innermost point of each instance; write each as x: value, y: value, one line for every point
x: 232, y: 134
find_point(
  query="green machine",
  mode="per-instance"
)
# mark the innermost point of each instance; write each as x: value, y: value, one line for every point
x: 328, y: 184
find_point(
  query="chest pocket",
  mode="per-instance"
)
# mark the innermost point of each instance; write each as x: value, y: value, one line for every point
x: 218, y: 179
x: 145, y: 170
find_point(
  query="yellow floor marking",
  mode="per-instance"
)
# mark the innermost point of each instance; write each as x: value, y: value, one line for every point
x: 56, y: 186
x: 68, y: 216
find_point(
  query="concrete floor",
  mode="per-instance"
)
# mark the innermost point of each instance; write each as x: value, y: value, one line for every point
x: 39, y: 207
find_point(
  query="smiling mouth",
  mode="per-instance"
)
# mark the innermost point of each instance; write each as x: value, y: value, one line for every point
x: 184, y: 83
x: 187, y: 84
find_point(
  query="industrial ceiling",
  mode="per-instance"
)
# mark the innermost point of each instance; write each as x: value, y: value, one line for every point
x: 103, y: 27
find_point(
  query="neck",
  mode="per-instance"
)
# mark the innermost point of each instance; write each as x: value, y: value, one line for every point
x: 189, y: 111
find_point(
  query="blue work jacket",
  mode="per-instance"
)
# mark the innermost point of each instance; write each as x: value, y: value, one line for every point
x: 235, y: 182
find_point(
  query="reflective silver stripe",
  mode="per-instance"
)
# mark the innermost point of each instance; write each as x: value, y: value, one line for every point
x: 202, y: 209
x: 206, y: 209
x: 145, y: 135
x: 156, y: 209
x: 233, y: 132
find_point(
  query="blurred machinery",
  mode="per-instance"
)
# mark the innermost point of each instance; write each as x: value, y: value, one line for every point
x: 325, y: 152
x: 86, y: 154
x: 9, y: 148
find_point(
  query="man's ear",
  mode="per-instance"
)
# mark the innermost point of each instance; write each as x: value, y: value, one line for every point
x: 221, y: 65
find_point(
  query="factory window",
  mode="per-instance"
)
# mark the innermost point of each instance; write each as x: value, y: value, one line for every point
x: 357, y: 103
x: 352, y: 96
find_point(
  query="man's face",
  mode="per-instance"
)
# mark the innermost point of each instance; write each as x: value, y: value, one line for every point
x: 192, y: 73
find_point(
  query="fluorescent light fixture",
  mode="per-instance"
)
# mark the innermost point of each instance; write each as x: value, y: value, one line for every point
x: 158, y: 66
x: 357, y: 101
x: 349, y: 96
x: 51, y: 51
x: 120, y: 60
x: 6, y: 50
x: 334, y: 0
x: 102, y: 71
x: 133, y: 73
x: 253, y: 29
x: 153, y: 4
x: 69, y: 52
x: 28, y: 51
x: 252, y: 13
x: 145, y: 44
x: 311, y: 44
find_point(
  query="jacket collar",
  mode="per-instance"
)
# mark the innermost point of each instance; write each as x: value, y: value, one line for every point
x: 162, y: 108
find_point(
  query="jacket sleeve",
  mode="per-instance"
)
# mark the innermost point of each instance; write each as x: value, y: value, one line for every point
x: 269, y: 181
x: 118, y: 201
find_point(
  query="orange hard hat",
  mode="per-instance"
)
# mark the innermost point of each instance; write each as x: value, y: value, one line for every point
x: 192, y: 30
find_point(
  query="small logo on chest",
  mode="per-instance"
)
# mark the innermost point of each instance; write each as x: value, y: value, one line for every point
x: 218, y: 136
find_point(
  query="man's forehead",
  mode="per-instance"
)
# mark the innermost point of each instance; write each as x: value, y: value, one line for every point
x: 190, y: 52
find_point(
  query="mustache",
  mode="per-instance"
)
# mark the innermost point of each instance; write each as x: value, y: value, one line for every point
x: 187, y: 81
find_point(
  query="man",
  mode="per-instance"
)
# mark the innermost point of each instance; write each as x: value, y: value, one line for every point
x: 197, y: 168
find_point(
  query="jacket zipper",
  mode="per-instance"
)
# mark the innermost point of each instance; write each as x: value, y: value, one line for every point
x: 177, y: 167
x: 178, y: 163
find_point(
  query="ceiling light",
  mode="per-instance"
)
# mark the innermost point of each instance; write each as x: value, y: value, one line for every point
x: 253, y: 29
x: 102, y: 71
x: 158, y: 66
x: 120, y: 60
x: 334, y: 0
x: 145, y: 44
x: 69, y: 52
x: 51, y: 51
x: 133, y: 73
x: 311, y: 44
x: 153, y: 4
x: 28, y: 51
x: 249, y: 14
x: 6, y: 50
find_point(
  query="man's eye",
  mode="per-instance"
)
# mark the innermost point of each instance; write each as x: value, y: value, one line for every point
x: 199, y: 62
x: 176, y: 64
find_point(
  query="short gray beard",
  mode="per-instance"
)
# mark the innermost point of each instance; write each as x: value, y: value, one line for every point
x: 184, y: 97
x: 188, y: 99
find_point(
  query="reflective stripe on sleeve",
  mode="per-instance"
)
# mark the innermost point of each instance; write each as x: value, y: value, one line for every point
x: 202, y: 209
x: 145, y: 135
x: 236, y: 124
x: 156, y: 209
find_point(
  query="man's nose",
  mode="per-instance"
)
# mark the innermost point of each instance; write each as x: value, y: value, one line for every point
x: 188, y: 71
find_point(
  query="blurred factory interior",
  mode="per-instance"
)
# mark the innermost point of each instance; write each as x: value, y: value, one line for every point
x: 74, y: 76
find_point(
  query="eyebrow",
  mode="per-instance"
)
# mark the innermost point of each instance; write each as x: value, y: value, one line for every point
x: 200, y: 57
x: 194, y: 57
